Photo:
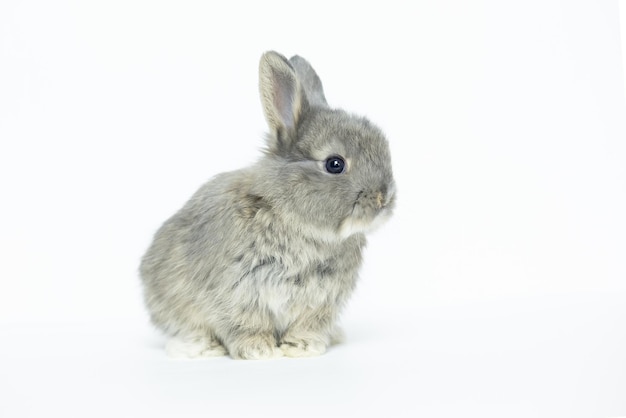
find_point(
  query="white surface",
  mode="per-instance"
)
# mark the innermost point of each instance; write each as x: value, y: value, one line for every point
x: 541, y: 357
x: 498, y: 289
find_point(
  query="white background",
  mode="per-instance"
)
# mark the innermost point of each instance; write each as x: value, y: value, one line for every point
x: 498, y: 289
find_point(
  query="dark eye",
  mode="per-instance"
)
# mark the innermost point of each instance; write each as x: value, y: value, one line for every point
x: 335, y: 165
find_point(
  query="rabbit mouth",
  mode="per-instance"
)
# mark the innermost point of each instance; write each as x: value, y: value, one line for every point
x: 370, y: 210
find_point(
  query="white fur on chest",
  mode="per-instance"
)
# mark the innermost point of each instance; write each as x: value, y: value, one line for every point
x: 294, y: 276
x: 287, y: 301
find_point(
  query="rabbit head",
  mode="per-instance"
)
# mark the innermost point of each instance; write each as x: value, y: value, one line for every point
x: 324, y: 169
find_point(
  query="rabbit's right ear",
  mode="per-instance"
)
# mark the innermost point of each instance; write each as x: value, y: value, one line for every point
x: 282, y: 99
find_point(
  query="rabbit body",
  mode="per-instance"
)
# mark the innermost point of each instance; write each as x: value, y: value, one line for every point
x: 260, y: 261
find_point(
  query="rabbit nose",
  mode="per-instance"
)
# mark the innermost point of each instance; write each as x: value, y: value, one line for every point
x: 387, y: 196
x: 380, y: 200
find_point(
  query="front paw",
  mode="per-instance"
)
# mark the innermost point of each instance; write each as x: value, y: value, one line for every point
x: 255, y: 348
x: 300, y: 347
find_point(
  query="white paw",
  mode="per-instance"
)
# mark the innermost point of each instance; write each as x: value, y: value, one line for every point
x: 260, y: 354
x: 254, y: 347
x: 256, y: 352
x: 302, y: 348
x: 193, y: 348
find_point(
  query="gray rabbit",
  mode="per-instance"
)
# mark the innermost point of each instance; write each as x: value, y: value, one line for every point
x: 260, y: 261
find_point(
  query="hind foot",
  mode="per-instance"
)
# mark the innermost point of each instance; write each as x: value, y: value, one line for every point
x: 194, y: 347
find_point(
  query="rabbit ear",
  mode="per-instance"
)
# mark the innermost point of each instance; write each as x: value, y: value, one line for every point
x: 281, y: 97
x: 310, y: 81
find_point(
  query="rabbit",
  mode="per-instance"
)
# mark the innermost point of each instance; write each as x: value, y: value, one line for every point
x: 260, y: 261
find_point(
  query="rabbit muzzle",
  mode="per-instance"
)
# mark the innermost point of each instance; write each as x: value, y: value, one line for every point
x: 370, y: 210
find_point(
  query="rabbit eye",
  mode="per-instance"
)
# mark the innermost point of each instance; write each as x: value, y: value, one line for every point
x: 335, y: 165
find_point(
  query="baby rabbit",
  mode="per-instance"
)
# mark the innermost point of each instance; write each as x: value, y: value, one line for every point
x: 260, y: 261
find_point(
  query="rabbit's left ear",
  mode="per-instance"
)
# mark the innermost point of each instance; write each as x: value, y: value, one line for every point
x: 310, y: 81
x: 281, y: 96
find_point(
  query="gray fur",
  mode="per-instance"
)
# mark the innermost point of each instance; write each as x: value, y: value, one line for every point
x: 260, y: 261
x: 311, y: 83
